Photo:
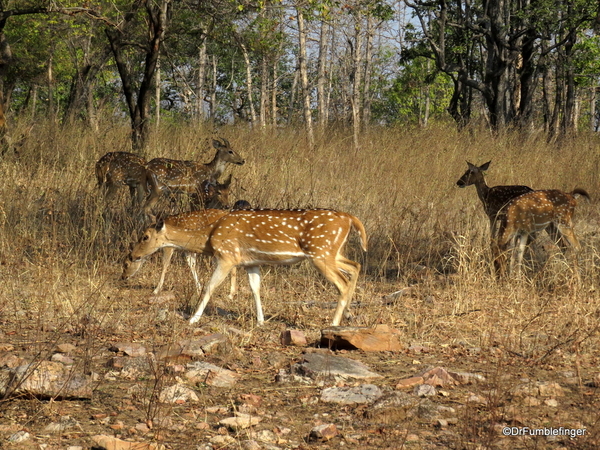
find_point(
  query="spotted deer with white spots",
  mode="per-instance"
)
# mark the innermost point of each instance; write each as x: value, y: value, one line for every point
x: 252, y: 238
x: 493, y: 198
x: 187, y: 231
x: 117, y: 169
x: 533, y: 212
x: 176, y: 176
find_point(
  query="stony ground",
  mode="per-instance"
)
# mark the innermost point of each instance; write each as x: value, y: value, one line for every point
x: 131, y: 353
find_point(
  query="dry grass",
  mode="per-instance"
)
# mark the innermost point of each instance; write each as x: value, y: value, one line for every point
x: 61, y: 245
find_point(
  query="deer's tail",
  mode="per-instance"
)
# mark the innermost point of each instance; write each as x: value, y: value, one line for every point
x: 357, y: 224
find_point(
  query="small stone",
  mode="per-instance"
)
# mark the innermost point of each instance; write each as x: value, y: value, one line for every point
x: 531, y: 401
x: 551, y: 402
x: 178, y: 394
x: 66, y: 348
x: 240, y: 421
x: 129, y: 348
x: 409, y: 382
x: 62, y: 358
x: 19, y: 436
x: 293, y: 337
x: 425, y: 390
x: 441, y: 423
x: 365, y: 393
x: 323, y: 432
x: 250, y: 445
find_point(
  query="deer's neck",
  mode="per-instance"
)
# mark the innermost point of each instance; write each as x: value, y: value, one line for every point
x: 192, y: 241
x: 482, y: 191
x: 216, y: 167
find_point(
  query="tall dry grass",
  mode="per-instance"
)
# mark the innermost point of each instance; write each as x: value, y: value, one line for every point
x: 61, y: 244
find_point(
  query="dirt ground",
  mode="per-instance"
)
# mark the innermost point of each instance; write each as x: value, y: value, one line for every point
x: 129, y: 409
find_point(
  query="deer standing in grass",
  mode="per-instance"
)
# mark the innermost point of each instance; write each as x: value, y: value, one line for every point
x: 531, y: 213
x: 493, y: 198
x: 251, y: 238
x: 117, y: 169
x: 176, y: 176
x: 186, y: 231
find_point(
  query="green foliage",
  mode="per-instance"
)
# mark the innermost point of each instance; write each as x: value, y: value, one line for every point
x: 404, y: 99
x: 587, y: 60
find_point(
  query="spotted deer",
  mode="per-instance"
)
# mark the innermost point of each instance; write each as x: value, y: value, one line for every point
x: 531, y: 213
x: 252, y: 238
x: 176, y: 176
x: 185, y: 231
x: 493, y: 198
x: 214, y: 195
x: 117, y: 169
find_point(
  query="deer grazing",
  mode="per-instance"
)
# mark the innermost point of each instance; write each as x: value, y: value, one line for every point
x: 531, y: 213
x: 117, y: 169
x: 185, y: 231
x: 251, y: 238
x: 176, y: 176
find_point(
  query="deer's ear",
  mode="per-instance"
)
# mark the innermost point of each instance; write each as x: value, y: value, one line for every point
x: 217, y: 144
x: 160, y: 225
x: 486, y: 165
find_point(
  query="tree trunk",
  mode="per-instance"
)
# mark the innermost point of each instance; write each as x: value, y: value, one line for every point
x: 322, y: 75
x: 274, y: 96
x: 264, y: 99
x: 199, y: 109
x: 249, y: 86
x: 356, y: 77
x: 139, y: 102
x: 366, y: 114
x: 304, y: 78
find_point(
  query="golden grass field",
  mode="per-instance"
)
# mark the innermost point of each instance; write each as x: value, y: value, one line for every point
x: 61, y: 248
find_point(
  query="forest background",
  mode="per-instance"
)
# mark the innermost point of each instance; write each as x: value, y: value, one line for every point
x: 530, y: 65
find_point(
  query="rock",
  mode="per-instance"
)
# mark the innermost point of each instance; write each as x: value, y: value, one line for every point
x: 5, y: 347
x: 216, y: 343
x: 62, y: 358
x: 425, y: 390
x: 45, y: 379
x: 129, y: 348
x: 315, y: 365
x: 240, y: 421
x: 440, y: 377
x: 222, y: 440
x: 377, y: 339
x: 19, y: 436
x: 65, y: 423
x: 393, y: 408
x: 135, y: 368
x: 293, y: 337
x: 112, y: 443
x: 540, y: 388
x: 366, y: 393
x: 409, y: 382
x: 250, y: 445
x: 178, y: 393
x: 323, y: 432
x: 11, y: 360
x: 266, y: 436
x: 203, y: 372
x: 66, y: 348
